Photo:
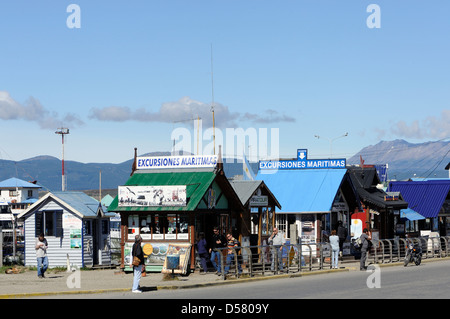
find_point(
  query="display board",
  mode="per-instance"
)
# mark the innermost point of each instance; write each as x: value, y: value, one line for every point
x: 184, y: 253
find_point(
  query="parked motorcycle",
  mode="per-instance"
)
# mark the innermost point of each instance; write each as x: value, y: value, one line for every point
x: 414, y: 254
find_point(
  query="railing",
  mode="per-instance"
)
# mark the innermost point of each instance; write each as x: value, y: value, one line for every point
x: 296, y: 258
x: 270, y: 259
x: 395, y: 250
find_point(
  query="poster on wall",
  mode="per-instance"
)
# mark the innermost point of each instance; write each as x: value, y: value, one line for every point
x: 74, y: 225
x: 75, y: 238
x: 155, y: 253
x: 152, y: 196
x: 183, y: 251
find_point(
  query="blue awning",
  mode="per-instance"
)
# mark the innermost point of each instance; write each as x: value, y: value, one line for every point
x: 425, y: 197
x: 304, y: 191
x: 410, y: 214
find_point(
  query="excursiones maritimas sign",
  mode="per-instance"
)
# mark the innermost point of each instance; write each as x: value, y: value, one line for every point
x: 302, y: 162
x: 190, y: 161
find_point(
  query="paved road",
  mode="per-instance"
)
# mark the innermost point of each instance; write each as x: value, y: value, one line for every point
x: 429, y: 280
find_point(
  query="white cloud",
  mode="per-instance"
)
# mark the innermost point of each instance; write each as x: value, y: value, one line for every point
x: 431, y: 127
x: 185, y: 109
x: 32, y: 110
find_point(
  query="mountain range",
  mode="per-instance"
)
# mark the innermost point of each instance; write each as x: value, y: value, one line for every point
x: 405, y: 160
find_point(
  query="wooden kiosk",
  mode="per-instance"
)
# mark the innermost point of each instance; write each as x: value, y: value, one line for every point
x: 168, y: 200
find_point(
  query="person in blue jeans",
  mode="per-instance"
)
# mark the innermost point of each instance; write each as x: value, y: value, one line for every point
x: 41, y: 255
x: 218, y: 241
x: 137, y: 270
x: 202, y: 251
x: 232, y: 245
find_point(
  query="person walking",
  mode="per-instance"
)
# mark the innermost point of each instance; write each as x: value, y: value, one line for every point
x: 139, y: 267
x: 365, y: 237
x: 277, y: 240
x: 334, y: 242
x: 218, y: 241
x: 202, y: 252
x: 41, y: 255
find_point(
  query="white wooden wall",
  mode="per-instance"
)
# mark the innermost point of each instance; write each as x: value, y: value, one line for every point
x: 59, y: 247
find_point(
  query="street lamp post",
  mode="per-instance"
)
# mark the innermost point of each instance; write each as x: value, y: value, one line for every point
x: 331, y: 140
x: 62, y: 131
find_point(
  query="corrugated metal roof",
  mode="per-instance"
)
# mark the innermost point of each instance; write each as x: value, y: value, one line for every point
x: 16, y: 182
x: 197, y: 183
x: 426, y: 197
x: 78, y: 202
x: 245, y: 189
x: 83, y: 203
x: 303, y: 191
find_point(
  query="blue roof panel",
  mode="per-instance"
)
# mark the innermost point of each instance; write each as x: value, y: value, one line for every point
x: 16, y: 182
x: 426, y: 197
x: 410, y: 214
x: 303, y: 191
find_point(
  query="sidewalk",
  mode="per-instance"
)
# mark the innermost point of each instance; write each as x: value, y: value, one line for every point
x: 27, y: 284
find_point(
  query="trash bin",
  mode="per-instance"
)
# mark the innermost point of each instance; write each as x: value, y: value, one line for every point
x: 173, y: 261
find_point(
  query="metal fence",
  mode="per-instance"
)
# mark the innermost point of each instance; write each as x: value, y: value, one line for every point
x: 12, y: 248
x: 296, y: 258
x: 394, y: 250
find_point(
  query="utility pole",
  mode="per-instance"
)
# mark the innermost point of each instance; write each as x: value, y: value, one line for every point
x: 212, y: 104
x: 63, y: 131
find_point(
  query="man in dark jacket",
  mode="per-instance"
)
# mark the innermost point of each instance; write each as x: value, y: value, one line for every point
x: 137, y: 270
x: 218, y: 241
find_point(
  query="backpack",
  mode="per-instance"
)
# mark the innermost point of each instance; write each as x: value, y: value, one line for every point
x: 357, y: 244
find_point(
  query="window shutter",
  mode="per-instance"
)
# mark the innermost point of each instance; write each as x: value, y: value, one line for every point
x: 38, y: 216
x: 59, y: 224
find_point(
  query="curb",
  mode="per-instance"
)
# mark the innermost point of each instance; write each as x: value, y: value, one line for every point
x: 55, y: 293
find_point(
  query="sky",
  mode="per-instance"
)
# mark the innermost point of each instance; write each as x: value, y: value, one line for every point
x: 126, y: 74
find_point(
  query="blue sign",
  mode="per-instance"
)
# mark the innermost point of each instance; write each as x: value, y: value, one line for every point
x: 382, y: 171
x: 302, y: 162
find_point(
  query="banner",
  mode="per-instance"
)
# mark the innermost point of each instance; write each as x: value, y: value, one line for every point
x: 302, y: 162
x: 192, y: 161
x: 151, y: 196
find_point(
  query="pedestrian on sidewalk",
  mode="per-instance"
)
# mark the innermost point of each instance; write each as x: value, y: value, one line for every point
x: 202, y: 252
x: 41, y: 255
x: 233, y: 245
x: 277, y: 240
x: 218, y: 241
x: 137, y: 269
x: 365, y: 237
x: 334, y: 242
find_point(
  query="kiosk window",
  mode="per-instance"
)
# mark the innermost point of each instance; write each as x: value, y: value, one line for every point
x: 49, y: 223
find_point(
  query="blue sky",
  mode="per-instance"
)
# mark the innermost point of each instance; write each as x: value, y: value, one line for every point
x: 305, y: 67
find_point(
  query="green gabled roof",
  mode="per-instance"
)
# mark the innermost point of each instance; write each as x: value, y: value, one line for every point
x: 197, y: 183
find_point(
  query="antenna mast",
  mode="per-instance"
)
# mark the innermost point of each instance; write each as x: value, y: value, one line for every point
x: 63, y: 131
